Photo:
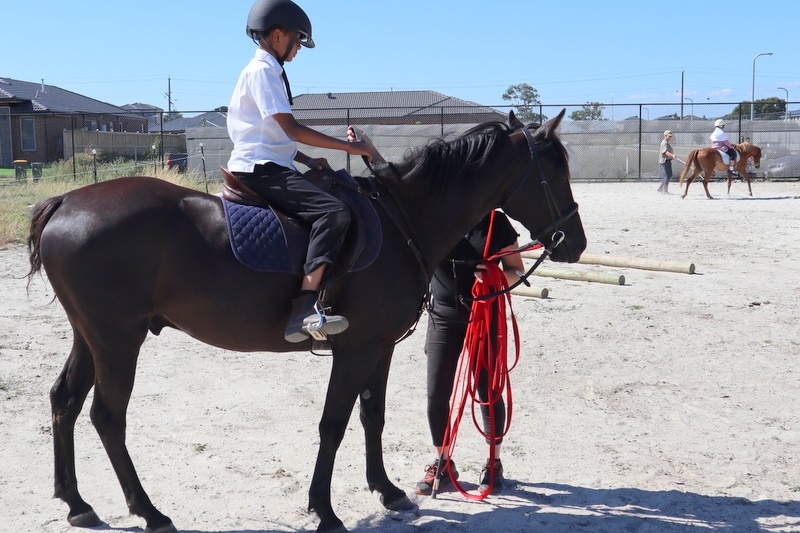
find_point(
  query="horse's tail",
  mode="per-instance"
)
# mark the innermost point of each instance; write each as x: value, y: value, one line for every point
x: 40, y: 215
x: 688, y: 168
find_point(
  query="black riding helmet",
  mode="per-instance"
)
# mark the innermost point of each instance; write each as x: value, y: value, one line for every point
x: 266, y: 14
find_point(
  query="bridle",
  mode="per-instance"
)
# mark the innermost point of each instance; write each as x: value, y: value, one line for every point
x: 557, y: 219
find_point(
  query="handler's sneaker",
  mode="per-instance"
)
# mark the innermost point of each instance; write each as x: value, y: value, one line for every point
x: 486, y: 478
x: 425, y: 487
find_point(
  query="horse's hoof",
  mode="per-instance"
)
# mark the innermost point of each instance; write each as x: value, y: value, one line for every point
x: 87, y: 519
x: 166, y: 528
x: 332, y: 528
x: 398, y: 504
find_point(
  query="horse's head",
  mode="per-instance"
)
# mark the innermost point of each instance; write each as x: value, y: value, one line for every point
x: 756, y: 156
x: 541, y: 199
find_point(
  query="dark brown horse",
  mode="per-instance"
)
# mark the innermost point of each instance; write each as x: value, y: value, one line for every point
x: 707, y: 160
x: 135, y: 255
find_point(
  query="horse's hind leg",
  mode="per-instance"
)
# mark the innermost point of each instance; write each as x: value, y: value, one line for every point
x: 706, y: 178
x: 688, y: 181
x: 372, y: 413
x: 115, y: 367
x: 66, y: 400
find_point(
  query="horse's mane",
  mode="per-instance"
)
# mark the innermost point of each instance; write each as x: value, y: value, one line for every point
x: 446, y: 158
x: 745, y: 146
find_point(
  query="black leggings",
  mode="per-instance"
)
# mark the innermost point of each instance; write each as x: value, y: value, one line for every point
x: 443, y: 342
x: 290, y: 192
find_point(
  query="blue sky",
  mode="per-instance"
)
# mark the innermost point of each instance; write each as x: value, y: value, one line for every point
x: 571, y: 51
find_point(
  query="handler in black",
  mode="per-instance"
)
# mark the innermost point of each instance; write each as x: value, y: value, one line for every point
x: 447, y: 326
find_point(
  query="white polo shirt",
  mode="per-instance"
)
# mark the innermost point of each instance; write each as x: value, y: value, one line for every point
x: 257, y: 137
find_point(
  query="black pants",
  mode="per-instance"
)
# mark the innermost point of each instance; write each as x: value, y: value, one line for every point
x: 443, y: 342
x: 290, y: 192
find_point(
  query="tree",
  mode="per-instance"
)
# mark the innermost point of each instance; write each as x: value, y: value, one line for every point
x: 589, y: 111
x: 765, y: 109
x: 222, y: 109
x: 172, y: 115
x: 524, y: 97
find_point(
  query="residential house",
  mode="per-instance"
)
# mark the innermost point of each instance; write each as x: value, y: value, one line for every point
x: 34, y: 116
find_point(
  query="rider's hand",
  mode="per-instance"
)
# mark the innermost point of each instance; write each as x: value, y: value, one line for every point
x: 479, y: 272
x: 317, y: 163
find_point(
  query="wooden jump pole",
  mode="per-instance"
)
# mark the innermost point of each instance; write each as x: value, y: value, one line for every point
x: 574, y: 275
x: 531, y: 292
x: 627, y: 262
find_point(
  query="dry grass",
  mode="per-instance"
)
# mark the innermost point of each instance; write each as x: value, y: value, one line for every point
x: 17, y: 198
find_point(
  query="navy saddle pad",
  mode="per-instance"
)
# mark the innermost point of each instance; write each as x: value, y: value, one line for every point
x: 267, y: 241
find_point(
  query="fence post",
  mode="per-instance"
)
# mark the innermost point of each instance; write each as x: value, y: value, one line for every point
x: 72, y: 132
x: 347, y: 155
x: 640, y: 141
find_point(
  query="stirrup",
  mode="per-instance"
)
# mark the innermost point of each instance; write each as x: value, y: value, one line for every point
x: 319, y: 326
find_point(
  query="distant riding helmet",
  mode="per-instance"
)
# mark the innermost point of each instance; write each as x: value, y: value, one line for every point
x: 719, y: 123
x: 267, y: 14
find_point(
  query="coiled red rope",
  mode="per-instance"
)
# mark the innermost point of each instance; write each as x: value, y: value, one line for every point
x: 485, y: 352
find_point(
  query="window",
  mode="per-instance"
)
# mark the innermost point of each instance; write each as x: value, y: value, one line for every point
x: 28, y: 133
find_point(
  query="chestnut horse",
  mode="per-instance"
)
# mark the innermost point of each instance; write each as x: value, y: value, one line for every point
x: 135, y: 255
x: 707, y: 160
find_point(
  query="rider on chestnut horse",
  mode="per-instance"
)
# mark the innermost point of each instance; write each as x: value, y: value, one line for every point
x: 720, y: 142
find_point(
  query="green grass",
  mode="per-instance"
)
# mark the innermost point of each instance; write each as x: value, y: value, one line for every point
x: 17, y: 197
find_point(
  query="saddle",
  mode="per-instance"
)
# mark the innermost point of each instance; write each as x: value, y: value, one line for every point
x: 268, y: 240
x: 726, y: 158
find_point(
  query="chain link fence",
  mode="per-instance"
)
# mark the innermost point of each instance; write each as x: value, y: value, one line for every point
x: 620, y: 143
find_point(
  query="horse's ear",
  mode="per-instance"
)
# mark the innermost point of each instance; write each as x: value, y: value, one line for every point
x: 513, y: 121
x: 549, y: 127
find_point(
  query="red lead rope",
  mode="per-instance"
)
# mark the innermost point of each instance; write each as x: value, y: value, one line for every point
x: 485, y: 352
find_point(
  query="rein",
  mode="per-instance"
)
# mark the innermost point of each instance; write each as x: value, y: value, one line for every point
x: 404, y: 226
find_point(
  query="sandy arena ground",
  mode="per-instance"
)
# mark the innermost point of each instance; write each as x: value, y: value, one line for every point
x: 668, y: 404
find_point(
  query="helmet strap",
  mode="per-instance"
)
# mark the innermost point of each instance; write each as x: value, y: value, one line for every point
x: 262, y: 40
x: 282, y: 60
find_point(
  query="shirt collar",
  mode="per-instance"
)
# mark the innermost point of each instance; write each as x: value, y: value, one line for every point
x: 263, y: 55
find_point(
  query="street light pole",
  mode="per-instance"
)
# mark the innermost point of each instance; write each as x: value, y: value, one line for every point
x: 753, y: 92
x: 787, y: 101
x: 691, y: 113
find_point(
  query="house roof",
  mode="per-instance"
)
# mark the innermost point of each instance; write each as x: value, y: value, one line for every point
x: 212, y: 119
x: 142, y: 108
x: 29, y: 97
x: 387, y: 104
x: 358, y: 105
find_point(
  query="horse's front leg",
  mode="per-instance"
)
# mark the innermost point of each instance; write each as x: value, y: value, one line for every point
x: 372, y: 414
x: 349, y: 373
x: 747, y: 179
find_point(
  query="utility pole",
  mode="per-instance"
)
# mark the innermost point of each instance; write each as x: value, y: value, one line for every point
x: 169, y: 98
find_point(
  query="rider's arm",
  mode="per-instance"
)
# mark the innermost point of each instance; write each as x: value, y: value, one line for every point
x: 303, y: 134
